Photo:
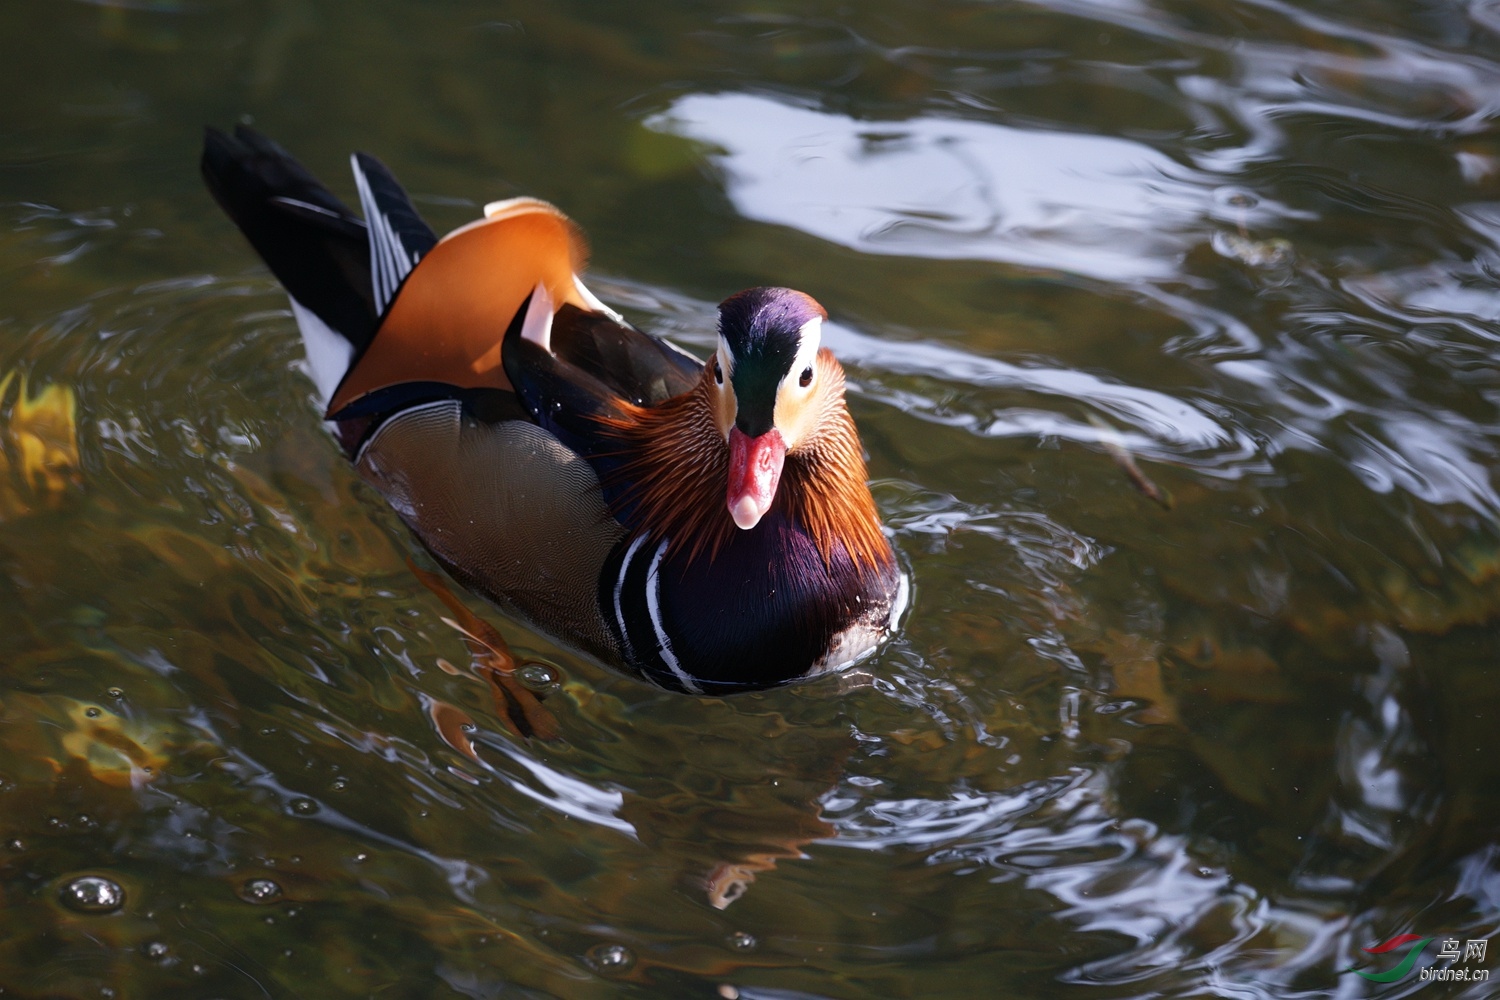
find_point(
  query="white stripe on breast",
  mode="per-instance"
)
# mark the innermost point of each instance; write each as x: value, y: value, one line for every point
x: 619, y: 589
x: 653, y: 605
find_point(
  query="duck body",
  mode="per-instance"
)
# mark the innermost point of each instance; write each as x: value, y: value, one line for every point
x: 705, y: 526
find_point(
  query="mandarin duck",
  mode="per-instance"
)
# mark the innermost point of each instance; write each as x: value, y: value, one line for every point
x: 706, y: 526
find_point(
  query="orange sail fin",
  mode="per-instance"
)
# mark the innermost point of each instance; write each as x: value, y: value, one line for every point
x: 447, y: 322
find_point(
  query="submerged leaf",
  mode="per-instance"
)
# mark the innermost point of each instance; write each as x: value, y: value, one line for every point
x: 39, y: 464
x: 1136, y: 664
x: 54, y: 730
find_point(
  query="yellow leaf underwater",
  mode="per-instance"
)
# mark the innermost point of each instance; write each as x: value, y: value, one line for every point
x: 54, y: 730
x: 39, y: 462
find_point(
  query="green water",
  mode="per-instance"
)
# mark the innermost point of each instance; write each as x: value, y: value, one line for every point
x: 1241, y: 254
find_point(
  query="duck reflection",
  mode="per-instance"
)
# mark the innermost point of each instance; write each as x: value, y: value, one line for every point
x: 749, y: 827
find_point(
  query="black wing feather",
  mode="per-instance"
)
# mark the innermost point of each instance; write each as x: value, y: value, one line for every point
x: 636, y: 365
x: 314, y: 244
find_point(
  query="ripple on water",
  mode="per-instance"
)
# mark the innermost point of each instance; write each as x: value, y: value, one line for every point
x: 1116, y: 749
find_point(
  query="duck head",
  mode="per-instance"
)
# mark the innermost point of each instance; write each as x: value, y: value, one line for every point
x: 770, y: 388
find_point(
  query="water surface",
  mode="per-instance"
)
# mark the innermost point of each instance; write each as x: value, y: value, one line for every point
x: 1172, y: 334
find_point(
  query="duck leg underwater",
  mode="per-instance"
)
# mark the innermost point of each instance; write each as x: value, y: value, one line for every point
x: 706, y: 526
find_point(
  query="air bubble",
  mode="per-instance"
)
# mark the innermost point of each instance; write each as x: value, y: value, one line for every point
x: 742, y: 941
x: 260, y: 890
x: 304, y: 807
x: 92, y: 894
x: 611, y: 958
x: 537, y: 676
x: 155, y: 950
x: 1236, y: 197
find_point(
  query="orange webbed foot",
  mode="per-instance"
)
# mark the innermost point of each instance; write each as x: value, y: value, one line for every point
x: 519, y: 708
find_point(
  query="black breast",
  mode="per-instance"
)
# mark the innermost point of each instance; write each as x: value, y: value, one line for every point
x: 761, y: 612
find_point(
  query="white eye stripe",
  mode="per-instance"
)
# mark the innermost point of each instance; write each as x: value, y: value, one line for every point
x: 810, y: 338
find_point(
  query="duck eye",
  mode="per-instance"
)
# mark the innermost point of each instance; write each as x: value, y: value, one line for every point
x: 806, y: 378
x: 718, y: 372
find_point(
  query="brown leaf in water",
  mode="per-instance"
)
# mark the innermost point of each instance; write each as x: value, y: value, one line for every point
x: 1436, y: 608
x: 1231, y: 673
x: 1478, y: 561
x: 1206, y: 654
x: 1136, y: 664
x: 453, y: 725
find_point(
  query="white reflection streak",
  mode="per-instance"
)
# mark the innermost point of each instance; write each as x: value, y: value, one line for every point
x: 1100, y: 206
x: 1427, y: 460
x: 1125, y: 877
x: 1479, y: 878
x: 925, y: 823
x: 1163, y: 416
x: 573, y: 797
x: 570, y: 796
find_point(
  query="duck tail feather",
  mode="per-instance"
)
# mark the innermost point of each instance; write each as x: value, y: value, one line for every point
x: 312, y: 242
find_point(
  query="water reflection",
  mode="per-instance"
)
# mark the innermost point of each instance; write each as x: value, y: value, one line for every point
x: 1162, y: 425
x: 1103, y: 207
